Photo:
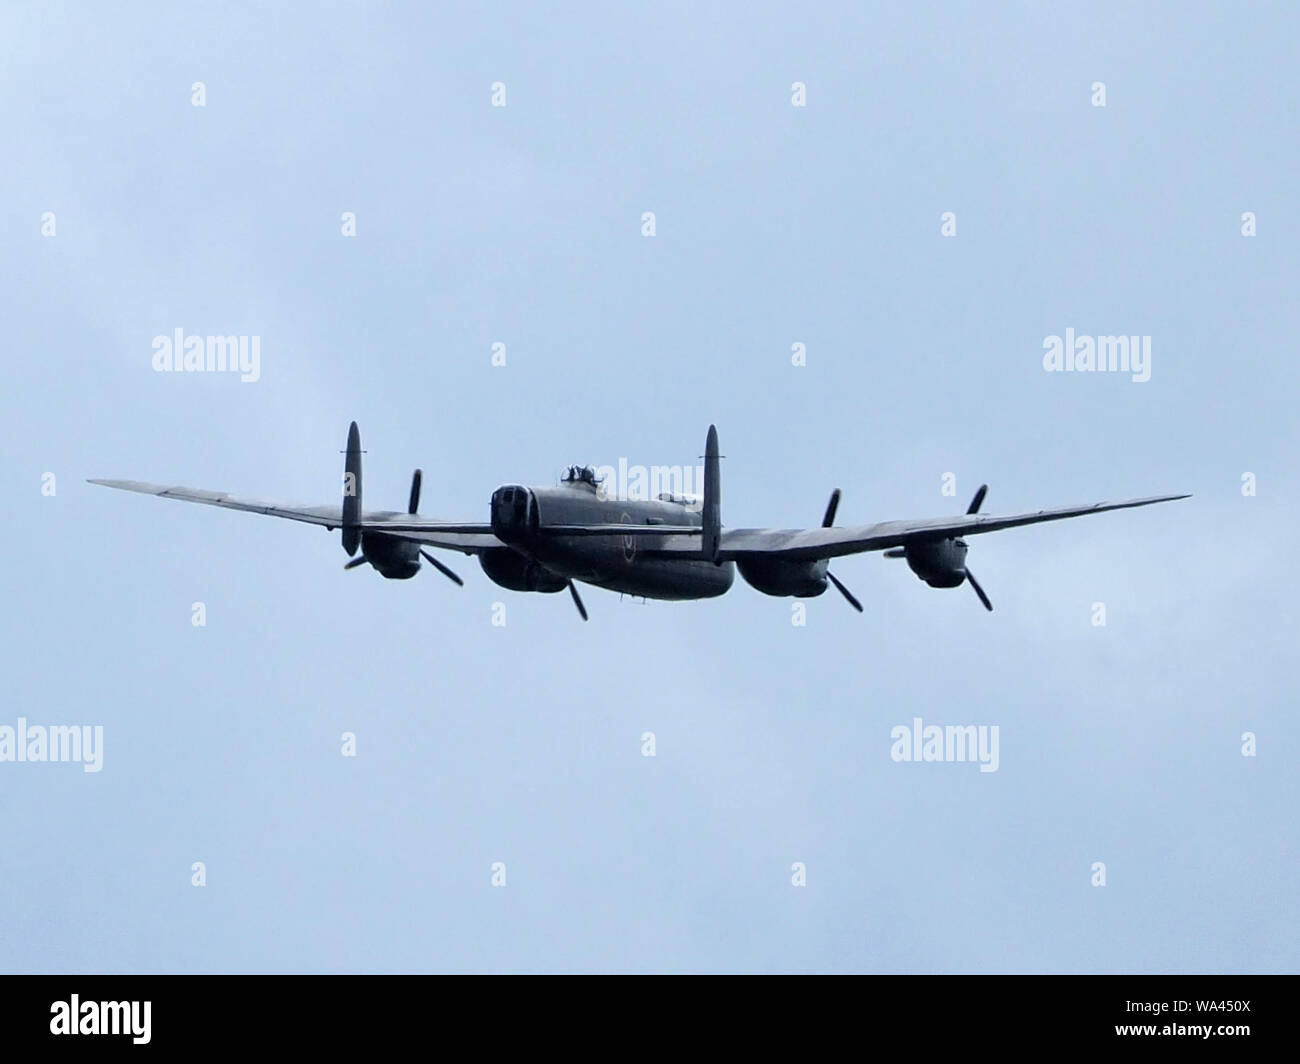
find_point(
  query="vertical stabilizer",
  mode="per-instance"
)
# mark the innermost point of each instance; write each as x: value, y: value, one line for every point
x: 711, y: 540
x: 352, y: 492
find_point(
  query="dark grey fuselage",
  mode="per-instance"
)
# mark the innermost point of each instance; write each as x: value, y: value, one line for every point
x: 615, y: 562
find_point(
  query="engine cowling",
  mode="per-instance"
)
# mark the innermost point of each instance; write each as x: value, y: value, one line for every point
x: 940, y: 563
x: 514, y: 571
x: 391, y: 556
x: 784, y: 579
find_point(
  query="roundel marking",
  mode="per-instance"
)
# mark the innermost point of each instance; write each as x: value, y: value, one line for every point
x: 629, y: 542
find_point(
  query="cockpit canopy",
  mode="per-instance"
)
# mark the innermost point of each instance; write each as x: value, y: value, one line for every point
x: 581, y: 475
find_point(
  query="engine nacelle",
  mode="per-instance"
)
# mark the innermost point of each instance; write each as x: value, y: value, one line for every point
x: 940, y: 562
x: 773, y: 577
x: 512, y: 570
x: 391, y: 556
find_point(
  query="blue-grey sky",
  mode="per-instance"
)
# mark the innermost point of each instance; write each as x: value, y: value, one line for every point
x: 775, y: 225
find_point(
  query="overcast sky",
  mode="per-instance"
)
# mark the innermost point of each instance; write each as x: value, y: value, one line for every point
x: 775, y: 225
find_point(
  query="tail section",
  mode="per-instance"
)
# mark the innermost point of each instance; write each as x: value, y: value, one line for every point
x: 352, y: 492
x: 711, y: 539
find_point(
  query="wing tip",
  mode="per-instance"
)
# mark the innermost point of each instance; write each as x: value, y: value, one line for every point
x: 127, y: 485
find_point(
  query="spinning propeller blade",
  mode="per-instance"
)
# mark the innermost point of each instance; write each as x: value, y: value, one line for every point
x: 827, y: 521
x: 831, y: 507
x: 414, y: 505
x: 577, y: 600
x: 974, y: 508
x: 970, y: 579
x: 845, y: 592
x: 441, y: 568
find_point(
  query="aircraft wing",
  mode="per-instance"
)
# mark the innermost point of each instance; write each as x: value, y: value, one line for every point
x: 804, y: 544
x: 330, y: 515
x: 466, y: 537
x: 807, y: 544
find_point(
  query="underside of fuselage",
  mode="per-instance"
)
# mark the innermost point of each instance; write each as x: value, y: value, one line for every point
x: 626, y: 564
x: 667, y: 579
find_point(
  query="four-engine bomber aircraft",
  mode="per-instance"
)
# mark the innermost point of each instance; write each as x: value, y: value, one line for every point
x: 674, y: 547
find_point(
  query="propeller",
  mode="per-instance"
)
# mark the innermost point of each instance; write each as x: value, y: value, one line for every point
x: 844, y: 591
x: 970, y: 579
x: 577, y: 600
x: 974, y: 508
x: 827, y: 521
x: 901, y: 552
x: 441, y: 568
x: 412, y: 506
x: 416, y: 478
x: 831, y: 507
